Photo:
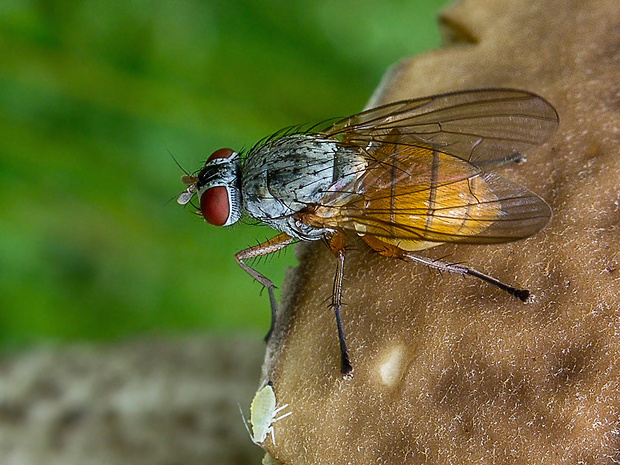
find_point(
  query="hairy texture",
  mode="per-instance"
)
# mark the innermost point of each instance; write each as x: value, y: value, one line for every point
x: 452, y: 370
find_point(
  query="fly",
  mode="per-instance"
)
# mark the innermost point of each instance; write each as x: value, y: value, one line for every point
x: 405, y: 177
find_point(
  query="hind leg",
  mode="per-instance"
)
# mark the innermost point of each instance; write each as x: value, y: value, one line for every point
x: 392, y: 251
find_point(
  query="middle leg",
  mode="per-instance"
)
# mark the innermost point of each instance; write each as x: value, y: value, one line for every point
x: 336, y: 243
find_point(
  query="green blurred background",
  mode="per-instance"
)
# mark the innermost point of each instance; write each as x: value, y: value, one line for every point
x: 96, y: 95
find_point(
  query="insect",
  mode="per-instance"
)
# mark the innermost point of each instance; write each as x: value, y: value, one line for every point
x: 405, y: 177
x: 263, y: 414
x: 269, y: 460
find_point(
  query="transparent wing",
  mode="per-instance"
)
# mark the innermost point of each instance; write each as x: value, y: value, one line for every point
x: 414, y: 194
x: 483, y: 127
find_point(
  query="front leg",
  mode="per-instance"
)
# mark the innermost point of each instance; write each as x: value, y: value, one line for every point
x: 336, y: 243
x: 270, y: 246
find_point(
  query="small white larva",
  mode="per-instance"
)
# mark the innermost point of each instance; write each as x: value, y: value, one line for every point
x: 263, y: 414
x: 269, y: 460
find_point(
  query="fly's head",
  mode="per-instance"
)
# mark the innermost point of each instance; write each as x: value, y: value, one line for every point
x: 218, y: 188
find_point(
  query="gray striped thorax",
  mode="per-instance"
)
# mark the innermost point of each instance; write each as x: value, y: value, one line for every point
x: 286, y: 175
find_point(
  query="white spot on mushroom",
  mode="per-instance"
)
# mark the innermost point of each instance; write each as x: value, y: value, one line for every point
x: 392, y: 364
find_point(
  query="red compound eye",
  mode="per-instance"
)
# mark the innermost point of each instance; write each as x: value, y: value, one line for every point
x: 215, y: 206
x: 215, y: 201
x: 221, y: 153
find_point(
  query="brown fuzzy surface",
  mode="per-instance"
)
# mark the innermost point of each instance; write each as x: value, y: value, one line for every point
x: 451, y: 370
